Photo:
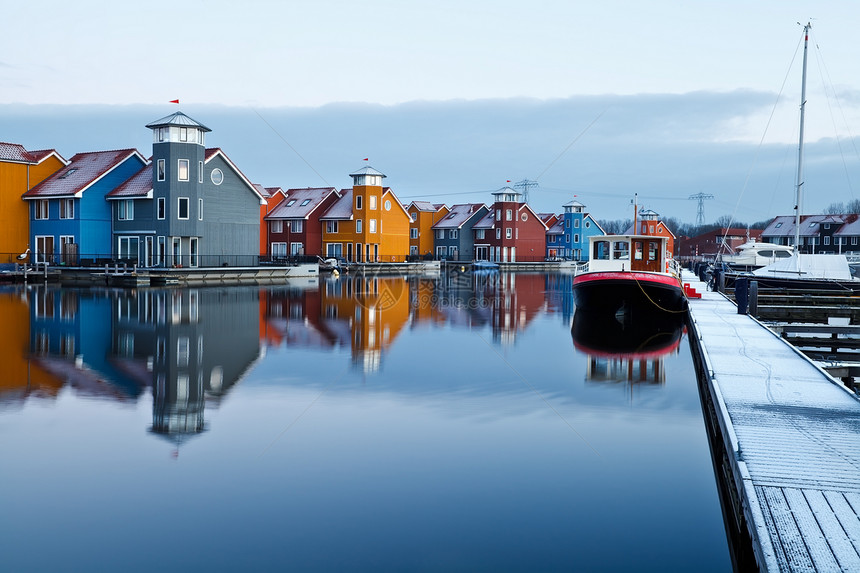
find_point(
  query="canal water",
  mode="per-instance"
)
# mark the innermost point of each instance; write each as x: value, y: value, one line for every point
x: 456, y: 423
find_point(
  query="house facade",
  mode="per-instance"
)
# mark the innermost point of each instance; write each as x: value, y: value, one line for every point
x: 294, y: 226
x: 568, y: 238
x: 207, y: 213
x: 368, y: 223
x: 423, y: 215
x: 511, y: 231
x: 272, y: 196
x: 454, y: 236
x: 838, y: 233
x: 69, y: 217
x: 20, y: 171
x: 648, y: 223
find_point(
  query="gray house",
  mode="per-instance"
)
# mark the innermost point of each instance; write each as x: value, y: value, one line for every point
x: 453, y: 236
x: 191, y: 206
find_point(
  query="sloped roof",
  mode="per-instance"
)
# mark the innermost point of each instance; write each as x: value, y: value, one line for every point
x: 300, y: 203
x: 547, y: 218
x: 423, y: 206
x: 459, y: 215
x: 83, y: 170
x: 138, y: 185
x: 557, y: 228
x: 851, y: 226
x: 177, y: 119
x: 366, y: 170
x: 16, y: 153
x: 486, y: 222
x: 342, y: 208
x: 810, y: 225
x: 573, y: 203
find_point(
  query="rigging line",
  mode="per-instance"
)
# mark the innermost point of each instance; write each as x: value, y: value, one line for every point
x: 575, y: 139
x: 539, y: 395
x: 291, y: 147
x: 761, y: 141
x: 822, y: 69
x: 305, y: 411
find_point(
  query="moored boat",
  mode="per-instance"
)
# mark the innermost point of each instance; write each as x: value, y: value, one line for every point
x: 629, y: 274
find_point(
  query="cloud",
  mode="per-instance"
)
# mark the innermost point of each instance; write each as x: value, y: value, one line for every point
x: 663, y: 147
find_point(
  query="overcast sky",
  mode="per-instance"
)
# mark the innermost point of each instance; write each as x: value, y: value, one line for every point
x: 451, y: 99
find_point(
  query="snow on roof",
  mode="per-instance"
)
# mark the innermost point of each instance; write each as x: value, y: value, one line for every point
x: 423, y: 206
x: 366, y: 170
x: 459, y: 215
x: 300, y: 203
x: 15, y: 152
x: 486, y: 222
x: 83, y: 170
x: 342, y: 208
x: 177, y: 119
x: 557, y: 228
x: 138, y: 185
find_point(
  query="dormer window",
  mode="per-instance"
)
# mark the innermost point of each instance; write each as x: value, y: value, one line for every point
x: 305, y: 203
x: 291, y: 202
x: 778, y: 225
x: 67, y: 173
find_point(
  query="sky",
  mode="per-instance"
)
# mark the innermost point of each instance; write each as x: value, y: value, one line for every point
x: 602, y: 101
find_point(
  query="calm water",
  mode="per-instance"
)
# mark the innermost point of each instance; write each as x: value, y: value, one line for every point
x: 370, y: 425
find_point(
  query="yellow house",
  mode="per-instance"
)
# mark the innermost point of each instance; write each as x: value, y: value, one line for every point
x: 20, y: 171
x: 423, y: 215
x: 368, y: 223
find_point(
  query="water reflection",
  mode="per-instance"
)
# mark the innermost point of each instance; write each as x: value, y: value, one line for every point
x: 628, y: 352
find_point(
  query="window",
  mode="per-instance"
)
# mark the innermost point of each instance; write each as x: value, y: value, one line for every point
x: 853, y: 240
x: 162, y: 132
x: 499, y: 233
x: 440, y: 233
x: 128, y: 248
x: 200, y: 172
x: 183, y: 134
x: 498, y: 214
x: 160, y: 164
x: 42, y: 209
x: 182, y: 205
x: 567, y: 238
x: 372, y: 201
x: 297, y: 249
x: 372, y: 225
x: 452, y: 234
x: 509, y: 233
x: 279, y: 250
x: 331, y: 226
x: 182, y: 170
x: 200, y: 209
x: 305, y: 203
x: 161, y: 208
x: 826, y: 239
x: 358, y: 201
x: 508, y: 214
x: 358, y: 225
x: 587, y: 224
x: 826, y: 225
x: 67, y: 208
x: 778, y: 225
x: 296, y: 226
x: 125, y: 210
x: 576, y: 224
x: 291, y: 202
x: 479, y: 233
x: 576, y: 238
x: 276, y: 226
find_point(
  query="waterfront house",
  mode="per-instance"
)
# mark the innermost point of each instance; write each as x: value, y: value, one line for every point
x: 294, y: 226
x: 716, y: 241
x: 423, y: 215
x: 837, y: 233
x: 368, y: 223
x: 511, y: 231
x: 454, y: 238
x: 69, y: 217
x: 272, y: 196
x: 207, y: 213
x: 649, y: 223
x: 20, y: 171
x: 568, y: 237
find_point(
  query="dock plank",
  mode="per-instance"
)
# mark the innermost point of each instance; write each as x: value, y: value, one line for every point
x: 796, y: 433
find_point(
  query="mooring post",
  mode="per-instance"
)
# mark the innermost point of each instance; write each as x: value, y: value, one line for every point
x: 753, y: 303
x: 742, y: 294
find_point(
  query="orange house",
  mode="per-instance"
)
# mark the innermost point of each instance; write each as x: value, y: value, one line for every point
x: 423, y: 215
x: 272, y: 196
x: 20, y: 171
x: 368, y: 223
x: 649, y: 223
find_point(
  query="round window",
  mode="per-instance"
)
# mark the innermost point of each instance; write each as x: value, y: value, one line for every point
x: 587, y: 224
x: 388, y: 205
x: 217, y: 176
x: 524, y: 217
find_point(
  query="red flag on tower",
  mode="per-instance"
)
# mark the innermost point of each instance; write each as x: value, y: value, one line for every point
x: 174, y: 101
x: 366, y: 159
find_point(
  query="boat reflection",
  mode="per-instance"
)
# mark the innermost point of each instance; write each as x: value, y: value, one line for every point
x: 630, y: 352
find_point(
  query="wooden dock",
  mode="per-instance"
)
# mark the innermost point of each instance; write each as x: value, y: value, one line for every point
x: 792, y: 436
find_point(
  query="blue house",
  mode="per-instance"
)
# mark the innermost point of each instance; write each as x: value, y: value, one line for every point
x: 568, y: 238
x: 69, y: 217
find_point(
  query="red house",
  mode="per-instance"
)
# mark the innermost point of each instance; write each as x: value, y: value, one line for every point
x: 511, y: 231
x: 294, y: 225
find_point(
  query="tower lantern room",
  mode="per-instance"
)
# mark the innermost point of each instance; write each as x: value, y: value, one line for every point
x: 367, y: 176
x: 178, y: 128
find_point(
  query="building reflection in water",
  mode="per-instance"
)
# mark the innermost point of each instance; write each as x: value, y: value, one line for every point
x: 632, y: 352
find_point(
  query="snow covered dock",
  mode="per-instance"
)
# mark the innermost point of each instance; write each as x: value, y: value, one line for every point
x: 792, y: 435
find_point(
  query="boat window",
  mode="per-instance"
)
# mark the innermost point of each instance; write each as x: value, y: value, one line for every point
x: 620, y: 250
x: 765, y: 253
x: 782, y: 254
x: 600, y: 250
x: 653, y: 249
x: 637, y: 250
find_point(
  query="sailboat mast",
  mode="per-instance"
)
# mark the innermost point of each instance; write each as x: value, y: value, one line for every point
x: 800, y: 144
